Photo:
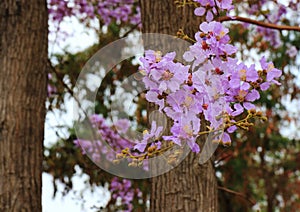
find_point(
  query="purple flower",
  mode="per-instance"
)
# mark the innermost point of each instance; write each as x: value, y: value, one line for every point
x: 225, y: 4
x: 186, y: 130
x: 210, y: 7
x: 200, y: 11
x: 155, y: 97
x: 195, y: 54
x: 123, y: 189
x: 226, y: 139
x: 171, y: 78
x: 271, y: 35
x: 272, y: 73
x: 121, y: 10
x: 162, y: 73
x: 184, y: 103
x: 122, y: 125
x: 214, y: 39
x: 292, y: 51
x: 241, y: 77
x: 243, y: 98
x: 149, y: 137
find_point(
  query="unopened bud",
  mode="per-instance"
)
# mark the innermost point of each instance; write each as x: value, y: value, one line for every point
x: 125, y: 151
x: 132, y: 164
x: 119, y: 156
x: 252, y: 111
x: 264, y: 118
x: 116, y: 161
x: 259, y: 114
x: 172, y: 161
x: 151, y: 149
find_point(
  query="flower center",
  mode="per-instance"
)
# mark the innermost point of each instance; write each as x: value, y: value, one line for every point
x: 243, y: 74
x: 188, y: 101
x: 158, y: 55
x: 241, y: 96
x: 270, y: 67
x: 188, y: 130
x: 167, y: 75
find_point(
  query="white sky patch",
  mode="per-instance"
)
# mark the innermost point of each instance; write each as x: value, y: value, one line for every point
x: 78, y: 38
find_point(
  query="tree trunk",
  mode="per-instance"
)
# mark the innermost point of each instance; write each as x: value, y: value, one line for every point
x: 190, y: 186
x: 23, y: 78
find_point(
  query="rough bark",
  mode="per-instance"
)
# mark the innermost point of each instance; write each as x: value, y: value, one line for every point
x: 189, y: 187
x: 23, y: 77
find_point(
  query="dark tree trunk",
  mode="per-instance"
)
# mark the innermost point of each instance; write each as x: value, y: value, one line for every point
x: 23, y: 78
x: 189, y: 187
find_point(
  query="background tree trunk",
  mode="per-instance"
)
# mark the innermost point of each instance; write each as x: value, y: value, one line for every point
x: 23, y: 78
x: 189, y: 187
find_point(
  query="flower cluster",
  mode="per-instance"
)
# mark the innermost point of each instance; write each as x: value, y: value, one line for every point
x: 277, y: 13
x: 123, y: 189
x: 209, y: 84
x: 270, y: 35
x: 214, y: 85
x: 111, y: 135
x: 109, y: 10
x: 210, y: 8
x: 150, y: 137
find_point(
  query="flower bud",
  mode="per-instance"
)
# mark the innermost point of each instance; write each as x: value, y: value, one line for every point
x: 116, y: 162
x: 264, y: 118
x: 119, y: 156
x: 125, y: 151
x: 252, y: 111
x: 151, y: 149
x: 132, y: 164
x: 259, y: 114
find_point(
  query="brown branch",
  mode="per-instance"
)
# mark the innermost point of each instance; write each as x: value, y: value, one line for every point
x: 52, y: 69
x: 131, y: 30
x: 71, y: 92
x: 252, y: 202
x: 259, y: 23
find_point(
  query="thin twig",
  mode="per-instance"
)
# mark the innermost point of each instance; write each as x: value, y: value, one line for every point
x: 259, y: 23
x: 237, y: 194
x: 60, y: 79
x: 131, y: 30
x: 71, y: 92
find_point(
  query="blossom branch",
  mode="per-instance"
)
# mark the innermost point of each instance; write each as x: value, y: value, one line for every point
x: 259, y: 23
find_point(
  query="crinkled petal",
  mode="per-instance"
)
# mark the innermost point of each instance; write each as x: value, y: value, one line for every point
x: 238, y: 109
x: 140, y: 146
x: 199, y: 11
x: 205, y: 27
x: 194, y: 146
x: 209, y: 16
x: 252, y: 95
x: 188, y: 56
x: 248, y: 105
x: 226, y: 139
x: 232, y: 129
x: 264, y: 86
